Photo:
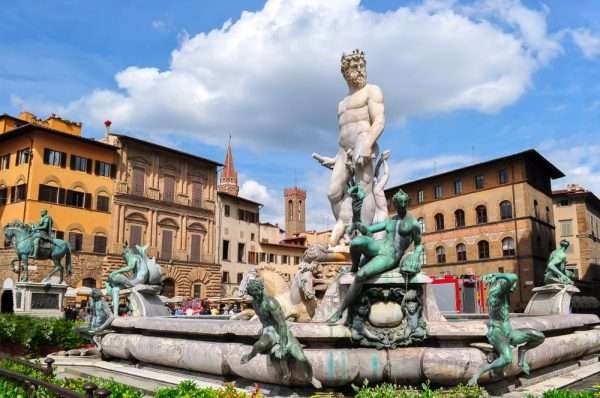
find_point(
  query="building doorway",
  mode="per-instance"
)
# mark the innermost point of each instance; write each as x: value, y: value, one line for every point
x: 6, y: 302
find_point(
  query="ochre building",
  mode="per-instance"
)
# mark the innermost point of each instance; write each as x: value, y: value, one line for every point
x: 494, y: 216
x: 577, y: 218
x: 47, y: 164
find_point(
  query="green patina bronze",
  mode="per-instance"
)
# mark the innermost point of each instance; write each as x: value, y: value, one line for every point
x: 276, y: 339
x: 36, y: 241
x: 372, y: 257
x: 500, y: 332
x: 144, y: 271
x: 556, y: 270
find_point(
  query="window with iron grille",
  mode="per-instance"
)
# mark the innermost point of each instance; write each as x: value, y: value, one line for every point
x: 484, y: 249
x: 505, y: 210
x: 440, y: 253
x: 459, y: 218
x: 508, y: 247
x: 461, y: 252
x: 481, y: 213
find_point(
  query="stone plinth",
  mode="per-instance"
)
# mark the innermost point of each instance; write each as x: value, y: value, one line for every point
x: 551, y: 299
x: 145, y: 301
x: 40, y: 299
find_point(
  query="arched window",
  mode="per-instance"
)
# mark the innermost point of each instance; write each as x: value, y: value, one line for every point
x: 459, y: 218
x: 299, y: 210
x: 88, y: 282
x: 440, y: 253
x: 439, y: 222
x: 461, y: 252
x: 421, y: 221
x: 481, y: 214
x: 168, y: 288
x: 505, y: 210
x: 484, y: 249
x: 508, y: 246
x: 290, y: 210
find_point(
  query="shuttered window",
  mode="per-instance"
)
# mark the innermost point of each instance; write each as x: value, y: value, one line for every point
x: 169, y: 189
x: 99, y: 244
x: 167, y: 245
x: 196, y: 248
x: 135, y: 235
x: 196, y: 194
x: 139, y: 177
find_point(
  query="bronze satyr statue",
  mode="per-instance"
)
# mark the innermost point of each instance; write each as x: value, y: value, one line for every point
x: 276, y: 338
x: 556, y: 270
x: 500, y: 332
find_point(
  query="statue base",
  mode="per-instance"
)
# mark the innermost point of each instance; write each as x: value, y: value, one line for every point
x: 40, y: 299
x: 390, y: 312
x: 554, y: 299
x: 145, y: 301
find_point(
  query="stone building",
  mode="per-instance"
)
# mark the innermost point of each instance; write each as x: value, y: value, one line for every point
x: 167, y: 199
x: 494, y: 216
x: 238, y: 229
x: 294, y: 200
x: 577, y: 219
x: 48, y: 164
x: 279, y: 251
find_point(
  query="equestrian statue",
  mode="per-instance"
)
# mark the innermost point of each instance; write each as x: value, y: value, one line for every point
x: 36, y: 241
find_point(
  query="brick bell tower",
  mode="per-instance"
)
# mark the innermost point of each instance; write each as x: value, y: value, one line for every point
x: 228, y: 181
x: 294, y: 201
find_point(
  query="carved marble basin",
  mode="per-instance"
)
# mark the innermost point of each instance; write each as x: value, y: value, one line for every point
x: 386, y: 315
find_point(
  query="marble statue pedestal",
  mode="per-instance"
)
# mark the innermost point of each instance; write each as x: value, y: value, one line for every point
x: 145, y: 301
x: 40, y: 299
x: 554, y: 299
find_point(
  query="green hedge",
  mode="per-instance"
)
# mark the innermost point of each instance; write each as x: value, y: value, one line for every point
x: 34, y: 334
x: 394, y: 391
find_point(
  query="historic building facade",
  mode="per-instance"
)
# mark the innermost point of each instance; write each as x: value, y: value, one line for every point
x: 495, y: 216
x: 47, y: 164
x: 238, y: 229
x: 166, y: 199
x: 577, y: 219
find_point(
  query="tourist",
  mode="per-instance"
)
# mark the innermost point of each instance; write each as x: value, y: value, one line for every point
x: 189, y: 311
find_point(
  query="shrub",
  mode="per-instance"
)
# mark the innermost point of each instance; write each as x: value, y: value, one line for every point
x: 394, y: 391
x: 35, y: 334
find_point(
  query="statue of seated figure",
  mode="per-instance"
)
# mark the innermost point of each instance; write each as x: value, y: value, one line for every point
x: 372, y: 257
x: 145, y: 272
x: 556, y: 270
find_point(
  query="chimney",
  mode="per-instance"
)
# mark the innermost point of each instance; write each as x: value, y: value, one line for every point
x: 107, y: 124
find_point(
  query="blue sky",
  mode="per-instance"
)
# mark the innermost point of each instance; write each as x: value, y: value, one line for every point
x: 463, y: 81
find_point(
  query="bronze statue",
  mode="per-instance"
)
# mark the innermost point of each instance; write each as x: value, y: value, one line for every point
x: 500, y: 332
x: 276, y: 338
x: 144, y: 270
x: 556, y: 270
x: 28, y: 241
x: 372, y: 257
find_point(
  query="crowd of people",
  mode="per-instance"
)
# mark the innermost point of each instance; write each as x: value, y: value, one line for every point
x: 190, y: 307
x: 203, y: 307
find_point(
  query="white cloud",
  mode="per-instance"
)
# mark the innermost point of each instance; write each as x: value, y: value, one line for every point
x: 271, y: 200
x: 272, y: 77
x: 580, y: 163
x: 588, y: 42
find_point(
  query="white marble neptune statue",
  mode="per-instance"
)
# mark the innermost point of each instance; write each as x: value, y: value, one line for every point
x: 361, y: 122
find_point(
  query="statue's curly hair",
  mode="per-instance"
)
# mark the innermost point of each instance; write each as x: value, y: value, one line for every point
x: 347, y: 58
x: 399, y: 196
